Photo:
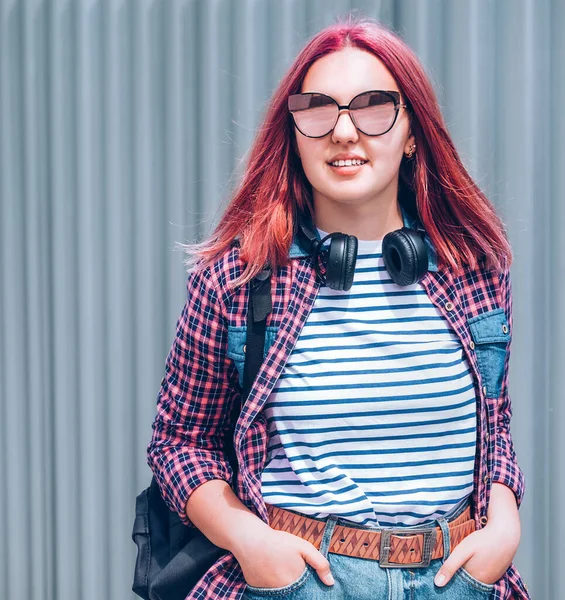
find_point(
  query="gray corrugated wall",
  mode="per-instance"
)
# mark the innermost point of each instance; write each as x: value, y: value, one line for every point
x: 120, y: 124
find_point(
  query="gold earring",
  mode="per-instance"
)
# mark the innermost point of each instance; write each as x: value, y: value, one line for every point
x: 412, y: 151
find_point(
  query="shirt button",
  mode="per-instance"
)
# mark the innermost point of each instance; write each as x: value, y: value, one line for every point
x: 486, y: 478
x: 484, y: 520
x: 472, y: 345
x: 448, y: 306
x: 505, y: 328
x: 244, y: 349
x: 484, y: 390
x: 487, y: 436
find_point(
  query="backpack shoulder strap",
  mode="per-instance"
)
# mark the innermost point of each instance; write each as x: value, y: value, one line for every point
x: 260, y: 305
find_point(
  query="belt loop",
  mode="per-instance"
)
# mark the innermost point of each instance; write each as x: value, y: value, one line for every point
x: 328, y: 532
x: 442, y: 522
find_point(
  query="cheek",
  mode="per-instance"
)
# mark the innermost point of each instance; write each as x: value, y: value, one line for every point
x: 311, y: 156
x: 313, y: 172
x: 306, y: 146
x: 387, y: 158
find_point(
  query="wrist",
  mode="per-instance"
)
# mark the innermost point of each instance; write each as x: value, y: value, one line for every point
x: 506, y: 527
x: 248, y: 533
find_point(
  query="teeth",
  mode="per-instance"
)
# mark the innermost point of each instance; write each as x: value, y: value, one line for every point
x: 347, y: 163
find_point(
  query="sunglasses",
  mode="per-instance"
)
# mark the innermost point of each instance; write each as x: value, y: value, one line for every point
x: 373, y: 112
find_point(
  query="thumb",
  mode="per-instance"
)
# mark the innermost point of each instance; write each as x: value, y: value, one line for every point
x: 318, y: 562
x: 460, y: 555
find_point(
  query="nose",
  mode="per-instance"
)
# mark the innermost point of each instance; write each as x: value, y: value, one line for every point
x: 345, y: 130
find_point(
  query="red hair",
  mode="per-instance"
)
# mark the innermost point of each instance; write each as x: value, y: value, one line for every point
x: 460, y: 221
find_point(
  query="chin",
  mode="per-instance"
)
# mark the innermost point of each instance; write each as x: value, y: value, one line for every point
x: 345, y: 199
x: 351, y: 193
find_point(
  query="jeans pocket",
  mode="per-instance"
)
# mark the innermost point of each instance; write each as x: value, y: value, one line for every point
x: 259, y: 592
x: 474, y: 582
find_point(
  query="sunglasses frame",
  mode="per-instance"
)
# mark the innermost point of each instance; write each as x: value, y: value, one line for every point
x: 394, y: 95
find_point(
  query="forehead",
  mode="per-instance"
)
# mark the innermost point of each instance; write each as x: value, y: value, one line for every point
x: 346, y: 73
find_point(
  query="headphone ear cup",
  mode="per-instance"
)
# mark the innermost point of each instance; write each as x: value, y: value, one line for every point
x: 405, y: 256
x: 349, y: 262
x: 341, y: 262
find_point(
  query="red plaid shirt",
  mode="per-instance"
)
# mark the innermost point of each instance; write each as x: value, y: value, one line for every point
x: 201, y: 385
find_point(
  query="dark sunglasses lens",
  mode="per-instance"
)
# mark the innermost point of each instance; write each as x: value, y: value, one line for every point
x: 374, y: 112
x: 314, y: 114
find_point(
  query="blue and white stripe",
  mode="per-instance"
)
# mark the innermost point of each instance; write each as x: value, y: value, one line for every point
x: 374, y: 417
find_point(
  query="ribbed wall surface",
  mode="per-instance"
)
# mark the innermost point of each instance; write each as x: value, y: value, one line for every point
x: 121, y: 123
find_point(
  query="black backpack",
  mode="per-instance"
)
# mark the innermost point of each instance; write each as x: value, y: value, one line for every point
x: 172, y: 557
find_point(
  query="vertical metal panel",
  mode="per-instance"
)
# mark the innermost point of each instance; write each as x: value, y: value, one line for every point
x: 552, y: 491
x: 63, y: 289
x: 117, y: 201
x: 34, y: 45
x: 117, y: 198
x: 16, y: 460
x: 123, y: 127
x: 91, y: 251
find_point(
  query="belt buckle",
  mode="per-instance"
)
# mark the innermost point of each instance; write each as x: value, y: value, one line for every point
x: 427, y: 546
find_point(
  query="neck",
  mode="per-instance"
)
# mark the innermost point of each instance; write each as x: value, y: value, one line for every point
x: 370, y: 221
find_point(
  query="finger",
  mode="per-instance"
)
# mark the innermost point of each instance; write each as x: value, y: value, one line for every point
x: 460, y: 555
x: 319, y: 562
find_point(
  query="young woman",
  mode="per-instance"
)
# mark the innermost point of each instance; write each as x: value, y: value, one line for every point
x: 374, y: 450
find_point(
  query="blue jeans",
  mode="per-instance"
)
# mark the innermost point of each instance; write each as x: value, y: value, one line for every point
x: 364, y: 579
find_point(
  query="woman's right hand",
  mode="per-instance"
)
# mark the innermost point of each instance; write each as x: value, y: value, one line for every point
x: 274, y: 559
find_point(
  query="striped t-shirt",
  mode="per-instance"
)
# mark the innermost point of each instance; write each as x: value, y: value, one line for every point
x: 373, y: 418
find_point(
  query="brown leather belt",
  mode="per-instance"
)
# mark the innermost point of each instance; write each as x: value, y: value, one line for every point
x: 392, y: 547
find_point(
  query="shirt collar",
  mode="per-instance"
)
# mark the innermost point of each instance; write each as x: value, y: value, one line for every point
x: 296, y: 250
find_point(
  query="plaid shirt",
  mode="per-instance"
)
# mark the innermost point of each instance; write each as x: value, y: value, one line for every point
x: 201, y: 384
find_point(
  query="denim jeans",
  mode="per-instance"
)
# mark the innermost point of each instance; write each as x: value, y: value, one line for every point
x: 364, y: 579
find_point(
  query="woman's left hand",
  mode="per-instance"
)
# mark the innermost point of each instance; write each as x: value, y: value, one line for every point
x: 487, y: 553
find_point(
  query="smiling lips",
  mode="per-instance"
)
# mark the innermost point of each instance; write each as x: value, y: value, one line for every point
x: 346, y: 163
x: 347, y: 166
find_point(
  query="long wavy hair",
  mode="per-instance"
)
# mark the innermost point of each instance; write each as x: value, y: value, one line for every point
x: 459, y: 219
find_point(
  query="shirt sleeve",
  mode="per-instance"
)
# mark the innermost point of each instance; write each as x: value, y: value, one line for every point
x: 195, y: 400
x: 505, y: 468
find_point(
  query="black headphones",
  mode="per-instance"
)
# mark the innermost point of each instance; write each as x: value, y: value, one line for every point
x: 404, y: 252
